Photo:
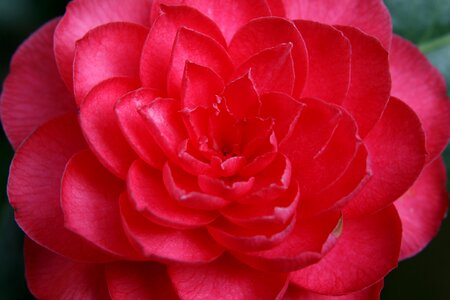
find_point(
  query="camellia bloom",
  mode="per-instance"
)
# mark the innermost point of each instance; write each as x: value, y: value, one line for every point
x: 236, y: 149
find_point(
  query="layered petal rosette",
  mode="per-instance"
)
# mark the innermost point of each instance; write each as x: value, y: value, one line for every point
x: 248, y: 149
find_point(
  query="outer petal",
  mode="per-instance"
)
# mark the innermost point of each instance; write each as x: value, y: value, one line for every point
x: 229, y: 15
x: 370, y: 79
x: 329, y: 54
x: 34, y: 188
x: 226, y: 279
x: 147, y: 193
x: 199, y: 87
x: 371, y: 293
x: 369, y: 241
x: 84, y: 15
x: 90, y: 202
x: 271, y: 70
x: 53, y: 277
x: 396, y: 147
x: 422, y: 87
x: 422, y: 208
x: 133, y: 126
x: 166, y: 244
x: 111, y: 50
x: 139, y: 281
x: 33, y: 92
x: 264, y: 33
x: 158, y: 46
x: 199, y: 49
x: 100, y: 126
x: 339, y: 141
x: 370, y: 16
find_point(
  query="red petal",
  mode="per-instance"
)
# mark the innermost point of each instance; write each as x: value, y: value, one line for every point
x: 148, y: 195
x: 111, y: 50
x: 139, y: 281
x: 33, y: 92
x: 370, y: 16
x: 90, y: 202
x: 184, y: 189
x: 271, y: 182
x: 260, y: 215
x: 241, y: 98
x: 134, y: 128
x: 285, y: 110
x: 53, y: 277
x: 166, y: 244
x: 34, y: 188
x: 316, y: 172
x: 276, y: 7
x: 271, y: 70
x: 422, y: 208
x: 340, y: 192
x: 158, y: 46
x: 371, y: 293
x: 306, y: 245
x: 226, y: 279
x: 313, y: 130
x: 101, y: 129
x: 84, y: 15
x: 197, y: 48
x: 200, y: 87
x: 370, y: 80
x: 269, y: 32
x: 242, y: 239
x: 396, y: 147
x: 366, y: 251
x: 229, y: 15
x: 164, y: 122
x: 329, y: 55
x: 422, y: 87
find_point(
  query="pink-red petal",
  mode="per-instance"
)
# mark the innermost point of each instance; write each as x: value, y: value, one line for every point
x: 329, y: 56
x: 149, y: 196
x: 163, y: 120
x: 134, y: 129
x: 422, y: 208
x: 370, y: 16
x: 83, y: 15
x: 168, y: 245
x: 371, y: 293
x: 373, y: 240
x: 269, y: 32
x: 90, y: 202
x: 110, y: 50
x: 148, y: 281
x: 33, y: 93
x: 53, y: 277
x: 101, y: 128
x: 396, y: 147
x: 370, y: 82
x: 229, y: 15
x: 271, y: 70
x: 308, y: 242
x: 34, y: 188
x: 158, y: 46
x: 226, y: 279
x: 420, y: 85
x: 197, y: 48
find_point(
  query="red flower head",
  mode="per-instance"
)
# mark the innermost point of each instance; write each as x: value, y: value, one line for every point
x: 204, y: 149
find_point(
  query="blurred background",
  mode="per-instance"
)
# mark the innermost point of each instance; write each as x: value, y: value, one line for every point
x: 424, y: 22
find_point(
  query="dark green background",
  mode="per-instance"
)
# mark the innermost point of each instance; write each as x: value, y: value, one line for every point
x: 425, y: 22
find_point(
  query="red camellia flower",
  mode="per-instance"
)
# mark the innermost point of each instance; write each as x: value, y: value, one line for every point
x: 236, y: 149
